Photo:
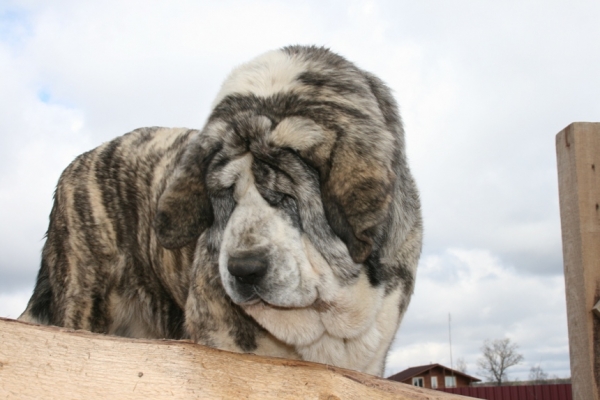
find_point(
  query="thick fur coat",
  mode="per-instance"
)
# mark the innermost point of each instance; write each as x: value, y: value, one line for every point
x: 288, y: 226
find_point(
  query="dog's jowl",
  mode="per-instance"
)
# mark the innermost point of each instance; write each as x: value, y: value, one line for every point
x: 288, y: 226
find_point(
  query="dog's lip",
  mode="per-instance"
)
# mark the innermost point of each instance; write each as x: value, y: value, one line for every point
x: 260, y: 302
x: 251, y: 301
x: 321, y: 305
x: 257, y: 300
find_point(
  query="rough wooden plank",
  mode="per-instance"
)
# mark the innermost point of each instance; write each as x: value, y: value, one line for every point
x: 54, y: 363
x: 578, y: 154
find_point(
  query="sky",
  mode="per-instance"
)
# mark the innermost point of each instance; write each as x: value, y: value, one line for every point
x: 483, y: 88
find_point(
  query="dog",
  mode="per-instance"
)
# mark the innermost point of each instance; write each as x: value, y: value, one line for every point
x: 289, y: 226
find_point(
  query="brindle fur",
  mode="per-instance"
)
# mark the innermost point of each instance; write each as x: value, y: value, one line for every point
x: 301, y: 164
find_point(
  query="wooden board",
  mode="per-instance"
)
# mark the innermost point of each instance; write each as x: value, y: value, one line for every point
x: 578, y: 154
x: 52, y: 363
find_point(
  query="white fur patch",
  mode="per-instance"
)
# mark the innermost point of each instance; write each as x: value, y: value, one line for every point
x: 268, y: 74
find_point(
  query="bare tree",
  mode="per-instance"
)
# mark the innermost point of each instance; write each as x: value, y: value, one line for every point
x: 498, y: 356
x: 537, y: 374
x: 461, y: 365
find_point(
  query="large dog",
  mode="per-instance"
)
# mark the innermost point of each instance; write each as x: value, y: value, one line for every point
x: 289, y: 226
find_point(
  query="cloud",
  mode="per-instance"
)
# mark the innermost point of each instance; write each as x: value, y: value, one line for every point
x: 12, y: 304
x: 39, y: 139
x: 486, y: 299
x: 161, y: 66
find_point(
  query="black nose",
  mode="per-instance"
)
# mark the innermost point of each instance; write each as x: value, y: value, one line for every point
x: 248, y: 269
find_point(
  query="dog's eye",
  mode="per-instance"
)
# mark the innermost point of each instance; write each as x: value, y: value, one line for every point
x: 275, y: 199
x: 272, y: 197
x: 293, y: 151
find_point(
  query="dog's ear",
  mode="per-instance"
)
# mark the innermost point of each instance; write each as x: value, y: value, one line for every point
x: 184, y: 209
x: 359, y: 185
x: 356, y: 195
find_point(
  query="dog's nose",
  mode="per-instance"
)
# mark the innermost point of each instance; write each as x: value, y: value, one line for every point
x: 249, y: 269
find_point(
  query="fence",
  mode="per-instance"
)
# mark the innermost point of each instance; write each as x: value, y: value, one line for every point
x: 578, y: 154
x: 525, y: 392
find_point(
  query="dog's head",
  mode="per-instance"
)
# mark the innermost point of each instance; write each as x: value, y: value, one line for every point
x: 295, y: 175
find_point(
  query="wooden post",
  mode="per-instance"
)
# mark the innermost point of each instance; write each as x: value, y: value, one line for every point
x: 42, y: 362
x: 578, y: 153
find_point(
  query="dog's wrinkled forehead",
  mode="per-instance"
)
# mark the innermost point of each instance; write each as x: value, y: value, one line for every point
x: 256, y: 133
x: 301, y: 112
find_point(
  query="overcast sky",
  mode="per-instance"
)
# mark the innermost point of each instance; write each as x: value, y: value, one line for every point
x: 483, y: 88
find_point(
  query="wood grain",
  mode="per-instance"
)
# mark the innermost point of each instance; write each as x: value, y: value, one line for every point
x: 54, y: 363
x: 578, y: 154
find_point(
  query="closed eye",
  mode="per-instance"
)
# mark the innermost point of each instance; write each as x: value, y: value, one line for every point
x: 284, y: 202
x: 272, y: 197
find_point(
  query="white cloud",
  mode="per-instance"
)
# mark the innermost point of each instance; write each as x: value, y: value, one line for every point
x: 39, y: 138
x: 12, y: 304
x: 487, y: 300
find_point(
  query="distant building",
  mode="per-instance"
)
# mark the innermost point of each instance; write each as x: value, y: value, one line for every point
x: 434, y: 376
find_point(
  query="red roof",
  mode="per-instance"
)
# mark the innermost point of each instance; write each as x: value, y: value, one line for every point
x: 414, y: 371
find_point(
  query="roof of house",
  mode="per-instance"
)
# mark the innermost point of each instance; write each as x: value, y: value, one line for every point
x: 415, y: 371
